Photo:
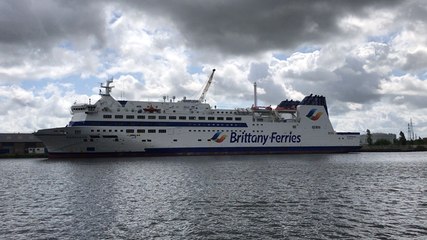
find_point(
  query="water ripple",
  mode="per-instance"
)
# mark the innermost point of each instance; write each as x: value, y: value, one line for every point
x: 380, y: 195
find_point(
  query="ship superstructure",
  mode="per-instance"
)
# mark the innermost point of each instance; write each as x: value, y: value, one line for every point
x: 192, y: 127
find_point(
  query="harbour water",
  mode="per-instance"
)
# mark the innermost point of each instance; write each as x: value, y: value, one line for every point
x: 360, y: 195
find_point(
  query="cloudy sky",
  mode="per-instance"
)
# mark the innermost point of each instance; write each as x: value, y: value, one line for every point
x: 369, y: 58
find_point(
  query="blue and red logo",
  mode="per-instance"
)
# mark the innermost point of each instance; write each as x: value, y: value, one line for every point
x: 313, y: 115
x: 218, y: 137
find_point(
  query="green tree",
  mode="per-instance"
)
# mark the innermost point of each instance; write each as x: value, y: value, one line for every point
x: 402, y: 138
x: 368, y: 137
x: 382, y: 142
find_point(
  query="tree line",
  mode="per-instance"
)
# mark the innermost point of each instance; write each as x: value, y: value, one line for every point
x: 401, y: 140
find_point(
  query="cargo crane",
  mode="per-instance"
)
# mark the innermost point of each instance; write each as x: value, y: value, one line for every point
x: 208, y: 84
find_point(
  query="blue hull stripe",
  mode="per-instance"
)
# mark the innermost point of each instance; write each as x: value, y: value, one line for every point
x: 250, y: 150
x: 157, y: 124
x: 212, y: 151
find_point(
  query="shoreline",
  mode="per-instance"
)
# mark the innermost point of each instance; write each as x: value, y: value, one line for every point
x: 364, y: 148
x: 24, y: 155
x: 393, y: 148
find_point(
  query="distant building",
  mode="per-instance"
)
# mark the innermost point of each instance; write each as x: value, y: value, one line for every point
x: 19, y: 143
x: 377, y: 136
x: 39, y: 150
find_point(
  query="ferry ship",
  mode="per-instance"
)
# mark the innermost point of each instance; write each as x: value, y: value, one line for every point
x: 113, y: 127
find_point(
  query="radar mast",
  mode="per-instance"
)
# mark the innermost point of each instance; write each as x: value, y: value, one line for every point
x: 107, y: 88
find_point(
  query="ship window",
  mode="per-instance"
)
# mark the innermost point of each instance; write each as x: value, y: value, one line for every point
x: 175, y: 140
x: 202, y: 118
x: 228, y: 118
x: 91, y: 130
x: 130, y: 131
x: 182, y: 118
x: 151, y: 130
x: 162, y: 130
x: 141, y: 117
x: 162, y: 117
x: 238, y: 119
x: 77, y: 132
x: 98, y: 130
x: 151, y: 117
x: 148, y: 140
x: 90, y: 149
x: 199, y: 140
x: 130, y: 116
x: 143, y: 140
x: 118, y: 116
x: 172, y: 117
x: 108, y: 116
x: 211, y: 118
x: 219, y: 118
x: 140, y: 131
x: 192, y: 118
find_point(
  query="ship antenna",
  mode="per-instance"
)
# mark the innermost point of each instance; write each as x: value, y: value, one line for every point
x: 107, y: 87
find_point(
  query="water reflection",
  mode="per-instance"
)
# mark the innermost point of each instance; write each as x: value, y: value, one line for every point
x: 308, y: 196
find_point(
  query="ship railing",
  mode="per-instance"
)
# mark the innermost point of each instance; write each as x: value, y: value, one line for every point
x: 87, y: 108
x: 243, y: 111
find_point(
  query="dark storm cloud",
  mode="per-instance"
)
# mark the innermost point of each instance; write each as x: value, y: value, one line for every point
x: 248, y: 26
x: 416, y: 102
x: 259, y: 73
x: 228, y: 27
x: 40, y: 24
x: 355, y: 84
x: 416, y: 61
x: 348, y: 83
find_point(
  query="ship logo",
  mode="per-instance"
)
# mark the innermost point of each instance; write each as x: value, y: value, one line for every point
x: 313, y: 115
x: 218, y: 137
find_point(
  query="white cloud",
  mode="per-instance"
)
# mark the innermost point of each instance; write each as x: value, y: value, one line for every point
x: 367, y: 58
x: 404, y: 85
x: 30, y: 110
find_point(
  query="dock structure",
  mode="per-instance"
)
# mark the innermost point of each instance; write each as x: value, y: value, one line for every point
x: 20, y: 143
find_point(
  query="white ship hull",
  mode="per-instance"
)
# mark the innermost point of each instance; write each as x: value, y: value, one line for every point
x: 189, y: 127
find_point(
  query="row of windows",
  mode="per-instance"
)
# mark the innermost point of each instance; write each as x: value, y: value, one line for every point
x: 151, y: 117
x: 140, y: 111
x: 130, y: 130
x: 159, y: 130
x: 225, y: 130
